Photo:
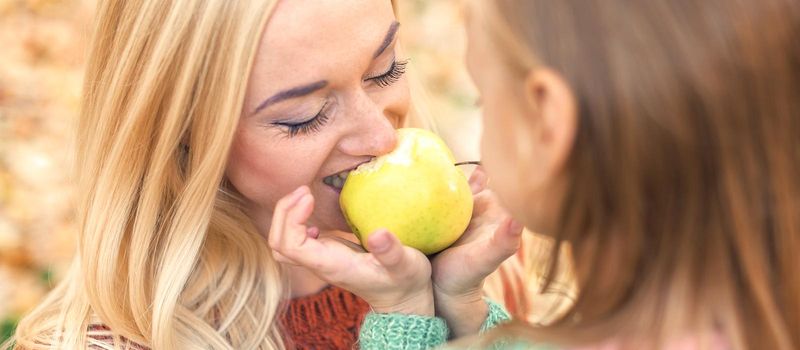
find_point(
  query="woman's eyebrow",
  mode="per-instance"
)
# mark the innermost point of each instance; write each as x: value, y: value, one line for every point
x: 310, y: 88
x: 387, y: 40
x: 292, y: 93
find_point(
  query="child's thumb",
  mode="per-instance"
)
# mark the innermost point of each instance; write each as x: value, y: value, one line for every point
x: 508, y: 238
x: 386, y: 248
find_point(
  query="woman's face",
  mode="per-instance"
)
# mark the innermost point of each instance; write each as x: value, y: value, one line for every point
x: 325, y: 94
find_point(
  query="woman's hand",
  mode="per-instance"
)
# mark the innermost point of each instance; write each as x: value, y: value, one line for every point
x: 459, y: 271
x: 391, y: 277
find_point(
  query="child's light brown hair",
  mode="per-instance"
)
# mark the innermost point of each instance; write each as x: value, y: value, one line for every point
x: 683, y: 210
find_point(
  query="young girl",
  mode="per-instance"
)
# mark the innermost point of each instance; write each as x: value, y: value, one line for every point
x: 659, y: 140
x: 198, y: 115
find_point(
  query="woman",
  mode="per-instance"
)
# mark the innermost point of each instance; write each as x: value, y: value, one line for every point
x: 197, y: 117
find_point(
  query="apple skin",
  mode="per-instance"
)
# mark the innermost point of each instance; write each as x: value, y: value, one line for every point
x: 416, y: 192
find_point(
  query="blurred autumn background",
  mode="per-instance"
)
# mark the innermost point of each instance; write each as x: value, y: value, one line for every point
x: 43, y: 46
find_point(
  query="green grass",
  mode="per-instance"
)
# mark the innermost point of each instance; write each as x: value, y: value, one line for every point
x: 9, y: 324
x: 46, y: 277
x: 7, y: 327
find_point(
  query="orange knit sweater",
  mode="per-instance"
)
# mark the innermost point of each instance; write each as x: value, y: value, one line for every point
x: 329, y: 319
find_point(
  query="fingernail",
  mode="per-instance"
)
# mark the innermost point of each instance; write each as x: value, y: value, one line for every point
x: 298, y: 193
x: 380, y: 242
x: 475, y: 188
x: 477, y: 185
x: 515, y: 227
x: 300, y: 190
x: 296, y: 196
x: 312, y: 232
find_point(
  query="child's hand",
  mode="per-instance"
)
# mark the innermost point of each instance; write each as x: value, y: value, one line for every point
x: 391, y: 278
x: 459, y: 271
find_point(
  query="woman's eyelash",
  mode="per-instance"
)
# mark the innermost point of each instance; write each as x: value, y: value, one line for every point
x: 394, y: 74
x: 308, y: 126
x: 313, y: 124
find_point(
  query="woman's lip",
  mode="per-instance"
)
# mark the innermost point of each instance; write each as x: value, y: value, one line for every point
x: 351, y: 168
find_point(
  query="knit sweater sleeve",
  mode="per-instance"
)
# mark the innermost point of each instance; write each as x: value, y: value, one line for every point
x: 401, y: 332
x: 410, y: 332
x: 497, y: 315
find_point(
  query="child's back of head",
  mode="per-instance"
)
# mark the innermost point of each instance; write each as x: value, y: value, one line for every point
x: 683, y: 199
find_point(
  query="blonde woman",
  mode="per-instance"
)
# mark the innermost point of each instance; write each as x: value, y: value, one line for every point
x: 198, y: 116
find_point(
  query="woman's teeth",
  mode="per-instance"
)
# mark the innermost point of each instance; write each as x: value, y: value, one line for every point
x: 337, y: 180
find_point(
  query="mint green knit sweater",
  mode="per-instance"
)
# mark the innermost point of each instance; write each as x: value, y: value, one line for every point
x: 411, y: 332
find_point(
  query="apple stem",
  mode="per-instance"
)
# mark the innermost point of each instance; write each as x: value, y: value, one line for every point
x: 472, y: 162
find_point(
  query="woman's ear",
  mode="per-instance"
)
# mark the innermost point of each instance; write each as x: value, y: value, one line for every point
x: 545, y: 141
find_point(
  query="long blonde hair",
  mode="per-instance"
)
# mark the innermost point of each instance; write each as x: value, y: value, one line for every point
x: 165, y: 258
x: 683, y: 209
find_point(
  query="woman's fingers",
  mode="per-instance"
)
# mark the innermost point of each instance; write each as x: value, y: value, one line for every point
x: 478, y: 180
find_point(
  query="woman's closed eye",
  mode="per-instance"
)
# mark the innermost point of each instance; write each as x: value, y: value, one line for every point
x: 313, y: 124
x: 391, y: 76
x: 306, y: 126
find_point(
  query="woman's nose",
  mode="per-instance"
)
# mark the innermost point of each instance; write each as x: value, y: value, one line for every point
x: 372, y: 132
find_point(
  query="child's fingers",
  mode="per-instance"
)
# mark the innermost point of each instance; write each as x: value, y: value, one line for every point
x: 296, y: 242
x: 302, y: 245
x: 387, y: 249
x: 275, y: 235
x: 481, y: 202
x: 355, y: 247
x: 504, y: 243
x: 515, y: 228
x: 313, y: 232
x: 295, y: 231
x: 478, y: 180
x: 281, y: 258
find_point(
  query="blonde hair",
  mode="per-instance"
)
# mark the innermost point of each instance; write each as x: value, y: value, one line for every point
x: 167, y: 257
x: 683, y: 208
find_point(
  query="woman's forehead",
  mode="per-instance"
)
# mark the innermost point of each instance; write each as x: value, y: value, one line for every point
x: 301, y: 29
x: 321, y: 40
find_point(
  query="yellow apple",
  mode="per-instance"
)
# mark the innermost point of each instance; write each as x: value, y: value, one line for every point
x: 416, y: 192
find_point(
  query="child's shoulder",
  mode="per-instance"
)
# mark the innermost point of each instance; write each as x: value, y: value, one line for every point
x: 689, y: 342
